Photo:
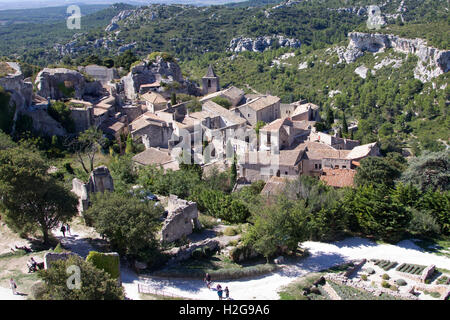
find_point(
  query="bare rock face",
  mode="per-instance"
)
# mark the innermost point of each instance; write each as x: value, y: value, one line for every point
x: 21, y: 91
x: 432, y: 62
x: 49, y: 83
x: 260, y: 44
x: 149, y: 72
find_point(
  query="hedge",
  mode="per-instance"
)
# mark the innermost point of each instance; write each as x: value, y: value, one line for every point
x: 107, y: 262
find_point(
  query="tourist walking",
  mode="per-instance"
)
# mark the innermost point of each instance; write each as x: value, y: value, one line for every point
x: 13, y: 285
x: 208, y: 280
x: 63, y: 230
x: 219, y: 291
x: 68, y: 229
x: 227, y: 293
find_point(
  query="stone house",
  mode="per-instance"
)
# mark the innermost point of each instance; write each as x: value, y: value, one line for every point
x: 332, y: 141
x: 234, y: 95
x: 150, y: 87
x: 156, y: 156
x: 154, y: 101
x: 154, y: 131
x: 281, y: 133
x: 262, y: 108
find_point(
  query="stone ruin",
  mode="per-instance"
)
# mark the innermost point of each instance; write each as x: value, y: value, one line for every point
x: 178, y: 254
x: 50, y: 257
x: 100, y: 180
x: 181, y: 219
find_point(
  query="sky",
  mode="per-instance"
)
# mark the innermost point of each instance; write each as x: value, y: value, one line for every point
x: 25, y: 4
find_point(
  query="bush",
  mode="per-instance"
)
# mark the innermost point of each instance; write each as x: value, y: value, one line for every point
x: 197, y: 253
x: 393, y: 288
x: 364, y: 277
x: 37, y: 290
x: 107, y: 262
x: 385, y: 284
x: 230, y: 231
x: 59, y: 248
x: 401, y: 282
x: 386, y: 276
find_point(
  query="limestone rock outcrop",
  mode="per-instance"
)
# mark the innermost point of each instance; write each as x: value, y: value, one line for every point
x: 432, y: 62
x: 149, y: 72
x: 260, y: 44
x: 50, y: 81
x: 21, y: 91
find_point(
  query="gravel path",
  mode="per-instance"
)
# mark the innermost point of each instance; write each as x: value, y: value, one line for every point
x: 323, y: 255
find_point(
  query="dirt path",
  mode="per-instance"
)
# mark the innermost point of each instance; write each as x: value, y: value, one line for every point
x: 323, y: 256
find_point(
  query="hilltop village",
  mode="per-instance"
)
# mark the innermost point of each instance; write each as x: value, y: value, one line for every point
x: 271, y: 139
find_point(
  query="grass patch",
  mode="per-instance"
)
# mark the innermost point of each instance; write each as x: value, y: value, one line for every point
x: 435, y: 295
x: 295, y: 290
x: 220, y: 267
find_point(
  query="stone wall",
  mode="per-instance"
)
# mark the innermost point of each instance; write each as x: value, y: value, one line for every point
x: 185, y: 252
x: 181, y: 219
x: 51, y: 257
x: 100, y: 180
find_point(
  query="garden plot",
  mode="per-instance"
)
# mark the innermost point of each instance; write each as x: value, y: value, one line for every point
x: 413, y: 269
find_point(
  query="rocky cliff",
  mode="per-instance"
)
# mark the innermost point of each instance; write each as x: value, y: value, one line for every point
x: 152, y: 71
x: 432, y: 62
x: 51, y: 83
x: 260, y: 44
x: 21, y: 91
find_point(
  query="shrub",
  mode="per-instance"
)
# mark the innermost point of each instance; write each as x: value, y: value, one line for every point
x: 393, y: 288
x: 230, y: 231
x: 364, y: 277
x: 59, y: 248
x: 37, y: 290
x: 386, y: 276
x: 107, y: 262
x: 197, y: 253
x: 401, y: 282
x: 385, y: 284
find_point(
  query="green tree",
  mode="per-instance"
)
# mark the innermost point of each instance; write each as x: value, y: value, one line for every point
x: 430, y: 170
x: 129, y: 149
x: 376, y: 170
x: 376, y: 212
x: 127, y: 222
x: 86, y: 147
x: 95, y: 284
x: 344, y: 125
x: 31, y: 198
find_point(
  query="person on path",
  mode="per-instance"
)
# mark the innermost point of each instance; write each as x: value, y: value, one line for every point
x: 208, y: 280
x: 63, y: 230
x: 227, y: 293
x: 68, y: 229
x: 219, y: 291
x: 13, y: 285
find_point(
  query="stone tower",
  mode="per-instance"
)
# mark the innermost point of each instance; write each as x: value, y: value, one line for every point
x: 210, y: 82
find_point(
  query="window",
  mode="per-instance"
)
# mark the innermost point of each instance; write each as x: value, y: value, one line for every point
x: 209, y: 83
x: 268, y: 138
x: 336, y: 167
x: 344, y: 167
x: 315, y: 166
x: 278, y: 173
x: 285, y: 173
x: 320, y: 166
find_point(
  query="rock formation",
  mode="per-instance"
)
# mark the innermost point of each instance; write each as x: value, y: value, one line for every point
x: 21, y: 91
x: 432, y: 62
x: 159, y: 70
x: 49, y: 83
x: 260, y: 44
